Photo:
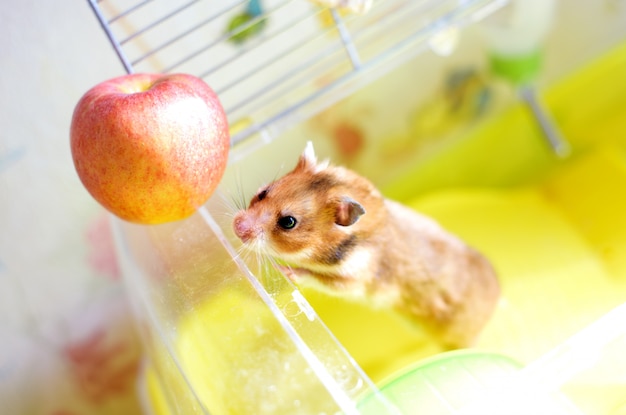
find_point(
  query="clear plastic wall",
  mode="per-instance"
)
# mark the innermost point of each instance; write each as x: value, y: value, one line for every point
x: 225, y: 333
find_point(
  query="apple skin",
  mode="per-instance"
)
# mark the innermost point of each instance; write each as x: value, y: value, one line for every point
x: 150, y: 148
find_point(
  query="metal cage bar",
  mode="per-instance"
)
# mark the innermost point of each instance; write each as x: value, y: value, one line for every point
x: 300, y: 51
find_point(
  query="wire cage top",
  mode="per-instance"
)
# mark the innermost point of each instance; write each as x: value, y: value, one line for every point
x: 268, y: 59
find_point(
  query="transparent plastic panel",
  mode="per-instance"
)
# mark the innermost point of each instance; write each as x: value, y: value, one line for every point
x: 225, y: 333
x: 221, y: 341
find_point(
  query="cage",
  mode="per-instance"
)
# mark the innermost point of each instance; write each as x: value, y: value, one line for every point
x: 503, y: 120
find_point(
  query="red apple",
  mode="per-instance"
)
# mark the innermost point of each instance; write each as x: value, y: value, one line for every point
x: 150, y: 148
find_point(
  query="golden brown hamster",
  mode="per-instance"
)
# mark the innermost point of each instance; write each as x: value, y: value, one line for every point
x: 335, y: 231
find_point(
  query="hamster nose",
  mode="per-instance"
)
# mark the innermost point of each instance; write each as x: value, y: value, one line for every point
x: 243, y: 228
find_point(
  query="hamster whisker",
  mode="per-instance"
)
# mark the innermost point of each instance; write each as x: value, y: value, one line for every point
x: 231, y: 202
x: 237, y: 194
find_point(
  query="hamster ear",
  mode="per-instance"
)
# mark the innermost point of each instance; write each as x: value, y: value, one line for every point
x: 308, y: 160
x: 309, y: 153
x: 348, y: 211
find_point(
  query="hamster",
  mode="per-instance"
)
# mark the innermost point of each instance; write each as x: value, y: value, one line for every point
x: 333, y: 230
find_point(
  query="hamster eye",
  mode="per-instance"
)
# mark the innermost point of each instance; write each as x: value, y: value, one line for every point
x: 262, y: 194
x: 287, y: 222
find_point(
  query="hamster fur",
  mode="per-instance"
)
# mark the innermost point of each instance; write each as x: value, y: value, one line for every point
x: 336, y: 232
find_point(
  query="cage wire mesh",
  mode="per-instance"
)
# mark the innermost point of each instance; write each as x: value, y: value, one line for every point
x: 268, y: 59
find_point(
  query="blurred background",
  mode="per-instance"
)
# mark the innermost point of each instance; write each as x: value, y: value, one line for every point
x: 67, y: 341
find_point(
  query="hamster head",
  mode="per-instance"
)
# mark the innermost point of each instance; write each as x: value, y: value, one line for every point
x: 311, y: 215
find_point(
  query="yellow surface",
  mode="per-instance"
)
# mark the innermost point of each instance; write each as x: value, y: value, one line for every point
x: 558, y: 275
x: 558, y: 241
x: 589, y: 107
